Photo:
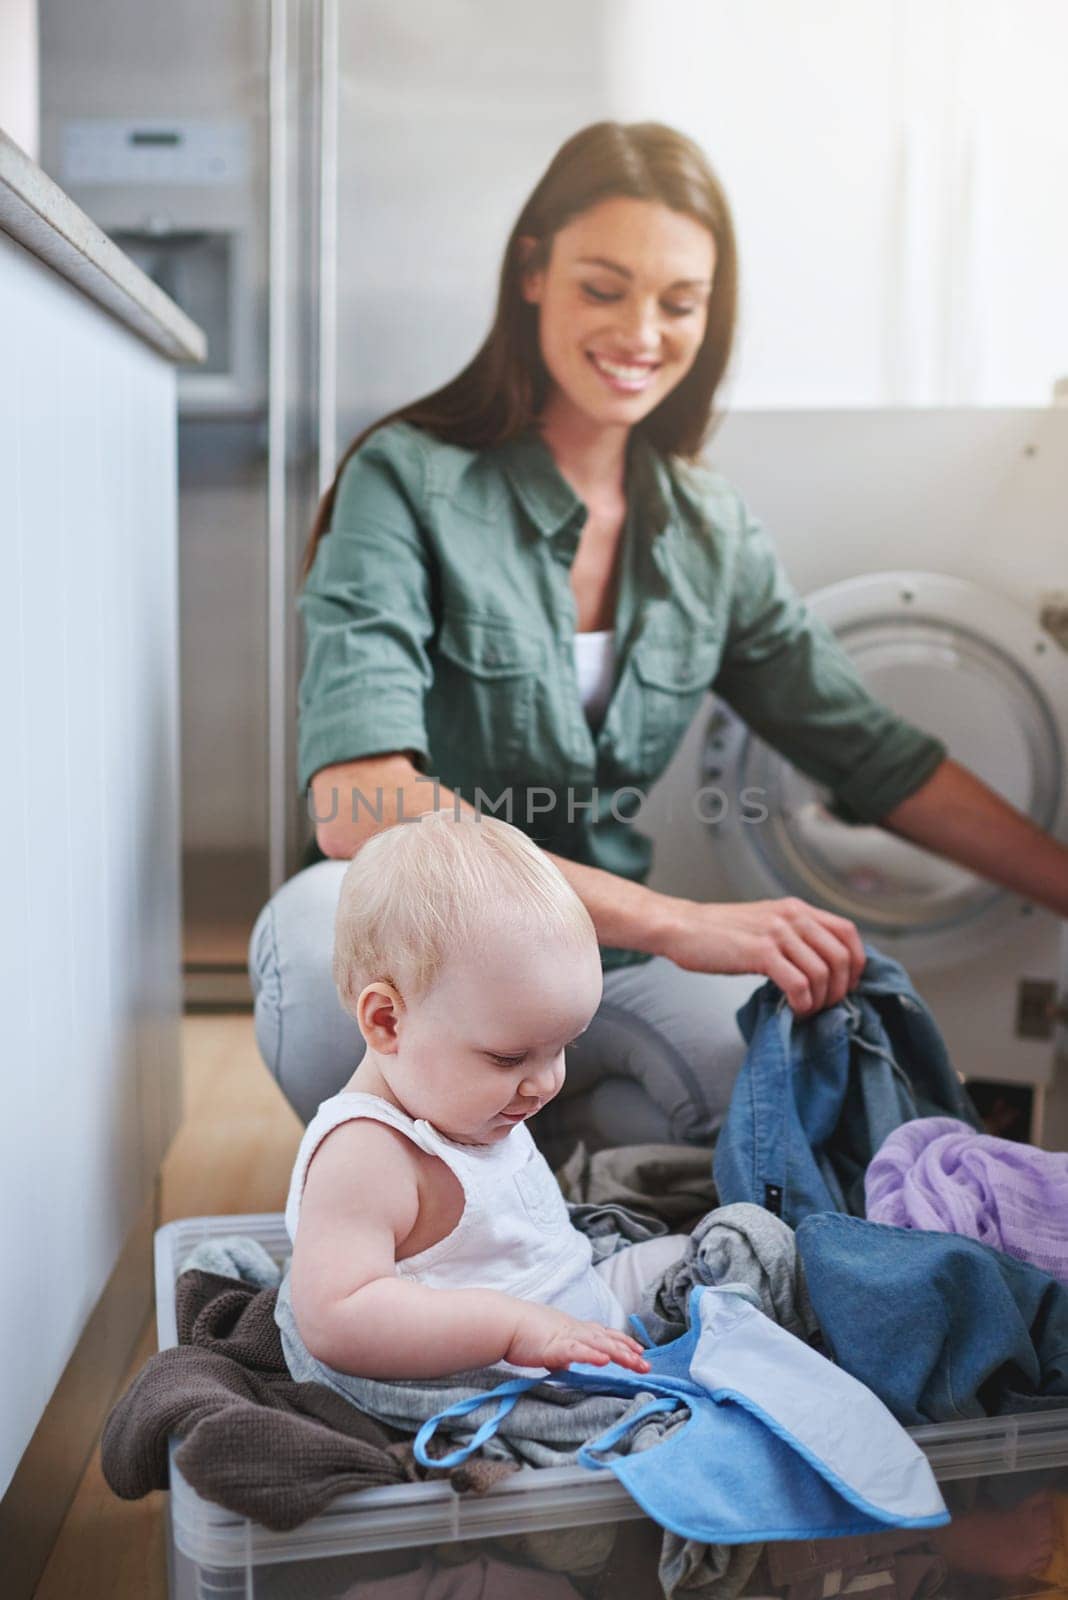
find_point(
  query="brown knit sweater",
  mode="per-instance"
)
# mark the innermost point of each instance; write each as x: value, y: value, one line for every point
x: 253, y: 1440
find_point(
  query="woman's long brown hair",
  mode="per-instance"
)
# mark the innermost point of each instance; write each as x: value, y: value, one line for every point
x: 503, y: 388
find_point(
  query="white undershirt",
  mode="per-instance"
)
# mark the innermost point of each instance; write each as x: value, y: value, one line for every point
x: 595, y: 664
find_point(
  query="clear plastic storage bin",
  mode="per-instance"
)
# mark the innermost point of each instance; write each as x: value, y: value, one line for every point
x: 571, y: 1534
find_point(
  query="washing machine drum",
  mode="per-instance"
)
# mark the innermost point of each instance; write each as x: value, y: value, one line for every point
x: 961, y: 663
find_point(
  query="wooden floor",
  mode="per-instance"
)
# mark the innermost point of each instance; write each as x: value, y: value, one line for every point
x: 232, y: 1153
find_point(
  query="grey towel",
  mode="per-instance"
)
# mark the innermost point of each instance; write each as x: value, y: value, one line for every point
x: 235, y: 1255
x: 736, y: 1244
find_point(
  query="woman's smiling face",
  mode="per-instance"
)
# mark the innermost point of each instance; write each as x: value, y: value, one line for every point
x: 623, y: 308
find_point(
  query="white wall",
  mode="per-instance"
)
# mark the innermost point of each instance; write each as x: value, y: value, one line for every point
x: 447, y: 117
x: 18, y: 74
x: 89, y: 890
x: 894, y: 167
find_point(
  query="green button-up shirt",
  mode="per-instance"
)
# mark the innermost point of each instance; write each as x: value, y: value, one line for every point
x: 440, y: 621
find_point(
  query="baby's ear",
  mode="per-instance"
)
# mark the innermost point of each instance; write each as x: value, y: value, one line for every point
x: 378, y: 1012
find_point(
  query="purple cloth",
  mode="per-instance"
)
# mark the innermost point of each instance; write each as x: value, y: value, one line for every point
x: 937, y: 1175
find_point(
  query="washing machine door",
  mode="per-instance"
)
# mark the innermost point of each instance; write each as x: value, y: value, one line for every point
x: 961, y: 663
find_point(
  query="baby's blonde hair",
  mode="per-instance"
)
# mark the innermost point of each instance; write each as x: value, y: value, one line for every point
x: 419, y: 892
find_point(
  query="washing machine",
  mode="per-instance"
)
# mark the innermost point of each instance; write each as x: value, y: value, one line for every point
x: 934, y: 544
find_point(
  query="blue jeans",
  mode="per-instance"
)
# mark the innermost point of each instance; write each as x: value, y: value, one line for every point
x: 940, y: 1327
x: 656, y: 1065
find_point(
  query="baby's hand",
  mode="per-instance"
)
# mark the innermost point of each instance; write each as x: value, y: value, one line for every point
x: 545, y: 1337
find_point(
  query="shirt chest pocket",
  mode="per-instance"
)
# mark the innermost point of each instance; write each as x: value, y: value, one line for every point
x: 673, y: 678
x: 486, y: 674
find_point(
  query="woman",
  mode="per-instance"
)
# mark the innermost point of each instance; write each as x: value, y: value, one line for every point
x: 520, y: 587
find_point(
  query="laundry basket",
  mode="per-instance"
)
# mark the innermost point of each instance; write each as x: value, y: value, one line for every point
x: 541, y: 1534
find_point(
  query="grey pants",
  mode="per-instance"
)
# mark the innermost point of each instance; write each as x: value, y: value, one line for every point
x: 656, y: 1065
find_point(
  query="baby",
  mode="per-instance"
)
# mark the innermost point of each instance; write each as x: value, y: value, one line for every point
x: 429, y: 1234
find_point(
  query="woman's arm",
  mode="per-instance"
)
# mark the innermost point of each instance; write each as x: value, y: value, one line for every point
x: 361, y: 797
x: 814, y: 956
x: 957, y: 816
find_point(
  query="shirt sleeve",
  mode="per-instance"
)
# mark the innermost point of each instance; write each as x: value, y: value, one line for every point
x: 366, y: 608
x: 785, y: 673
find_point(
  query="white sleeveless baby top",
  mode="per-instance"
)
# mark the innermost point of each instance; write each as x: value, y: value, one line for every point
x: 595, y: 666
x: 514, y: 1235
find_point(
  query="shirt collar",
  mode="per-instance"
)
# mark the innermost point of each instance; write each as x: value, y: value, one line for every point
x: 551, y: 502
x: 538, y: 484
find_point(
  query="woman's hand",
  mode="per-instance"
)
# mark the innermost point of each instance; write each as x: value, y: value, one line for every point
x: 813, y: 956
x: 545, y: 1337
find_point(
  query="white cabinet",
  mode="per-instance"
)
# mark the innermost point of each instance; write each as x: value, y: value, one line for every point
x: 90, y: 903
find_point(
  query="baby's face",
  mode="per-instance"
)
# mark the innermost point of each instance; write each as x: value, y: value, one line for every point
x: 484, y: 1049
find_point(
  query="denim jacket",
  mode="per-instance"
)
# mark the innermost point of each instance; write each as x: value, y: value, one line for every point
x: 817, y: 1096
